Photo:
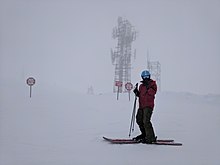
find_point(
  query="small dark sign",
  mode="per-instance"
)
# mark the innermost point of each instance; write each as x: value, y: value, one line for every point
x: 30, y: 81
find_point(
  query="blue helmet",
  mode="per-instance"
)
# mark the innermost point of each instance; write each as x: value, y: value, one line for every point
x: 145, y: 74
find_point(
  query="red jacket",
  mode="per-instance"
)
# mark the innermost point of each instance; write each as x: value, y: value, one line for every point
x: 147, y: 94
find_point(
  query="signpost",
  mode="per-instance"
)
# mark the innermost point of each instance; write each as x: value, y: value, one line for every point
x: 118, y: 84
x: 129, y: 87
x: 30, y: 82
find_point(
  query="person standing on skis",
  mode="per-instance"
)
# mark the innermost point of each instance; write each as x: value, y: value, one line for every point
x: 146, y: 94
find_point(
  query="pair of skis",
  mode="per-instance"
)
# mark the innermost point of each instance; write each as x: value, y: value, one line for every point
x: 131, y: 141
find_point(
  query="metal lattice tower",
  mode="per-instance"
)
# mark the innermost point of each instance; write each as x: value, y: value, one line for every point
x: 154, y: 68
x: 121, y: 56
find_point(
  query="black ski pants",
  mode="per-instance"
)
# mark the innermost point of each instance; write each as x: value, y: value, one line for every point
x: 143, y: 119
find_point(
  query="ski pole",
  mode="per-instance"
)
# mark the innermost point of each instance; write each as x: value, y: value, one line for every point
x: 133, y: 115
x: 133, y: 118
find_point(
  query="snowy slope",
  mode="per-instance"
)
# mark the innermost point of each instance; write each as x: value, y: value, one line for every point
x: 57, y: 127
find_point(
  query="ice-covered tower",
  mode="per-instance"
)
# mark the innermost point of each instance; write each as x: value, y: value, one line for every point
x: 122, y: 55
x: 154, y: 68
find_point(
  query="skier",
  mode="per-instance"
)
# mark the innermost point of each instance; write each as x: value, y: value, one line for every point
x: 146, y: 94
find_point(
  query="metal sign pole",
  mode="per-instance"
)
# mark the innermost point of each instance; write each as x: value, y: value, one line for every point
x: 30, y: 90
x: 118, y: 93
x: 129, y: 93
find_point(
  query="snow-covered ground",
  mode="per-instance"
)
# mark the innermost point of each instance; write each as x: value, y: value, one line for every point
x: 61, y: 127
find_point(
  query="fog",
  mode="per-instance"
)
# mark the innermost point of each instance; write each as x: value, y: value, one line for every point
x: 67, y: 43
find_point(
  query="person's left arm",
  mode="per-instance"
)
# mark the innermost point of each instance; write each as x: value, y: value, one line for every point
x: 152, y: 89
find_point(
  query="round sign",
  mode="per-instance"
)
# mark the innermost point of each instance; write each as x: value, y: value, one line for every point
x: 118, y: 83
x: 129, y: 86
x: 30, y: 81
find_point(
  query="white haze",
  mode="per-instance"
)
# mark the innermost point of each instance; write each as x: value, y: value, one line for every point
x: 67, y: 43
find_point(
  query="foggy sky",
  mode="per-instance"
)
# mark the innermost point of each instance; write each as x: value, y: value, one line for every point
x: 67, y: 42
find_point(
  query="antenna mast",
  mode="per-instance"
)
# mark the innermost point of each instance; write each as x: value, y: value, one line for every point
x: 121, y: 56
x: 154, y: 68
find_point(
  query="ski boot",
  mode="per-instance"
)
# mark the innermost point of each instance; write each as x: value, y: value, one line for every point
x: 149, y: 141
x: 139, y: 138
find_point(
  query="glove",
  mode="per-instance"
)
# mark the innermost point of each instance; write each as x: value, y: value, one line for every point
x: 136, y: 92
